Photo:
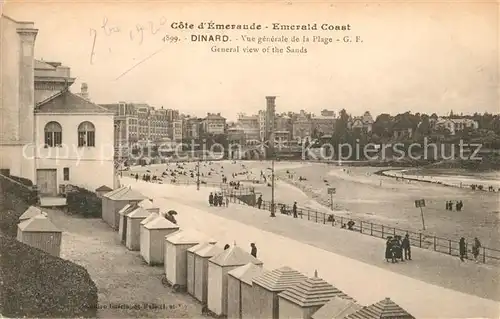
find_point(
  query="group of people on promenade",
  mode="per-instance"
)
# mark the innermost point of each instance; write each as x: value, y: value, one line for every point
x: 218, y: 200
x: 463, y: 249
x: 397, y: 249
x: 458, y: 205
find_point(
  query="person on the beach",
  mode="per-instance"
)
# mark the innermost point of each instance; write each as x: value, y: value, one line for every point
x: 259, y: 201
x: 136, y: 177
x: 405, y: 244
x: 294, y: 210
x: 462, y: 249
x: 211, y: 199
x: 475, y: 248
x: 394, y: 249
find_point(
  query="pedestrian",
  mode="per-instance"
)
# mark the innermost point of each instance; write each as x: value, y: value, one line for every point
x: 405, y: 244
x: 216, y: 199
x: 388, y: 248
x: 211, y: 199
x: 136, y: 177
x: 447, y: 205
x: 259, y: 201
x: 462, y: 248
x: 395, y: 248
x: 294, y: 210
x: 475, y: 248
x: 227, y: 201
x: 253, y: 250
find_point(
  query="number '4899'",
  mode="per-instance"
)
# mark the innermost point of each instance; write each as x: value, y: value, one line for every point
x: 170, y: 38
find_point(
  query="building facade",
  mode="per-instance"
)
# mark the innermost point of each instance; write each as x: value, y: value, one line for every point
x: 214, y: 124
x: 191, y: 128
x: 324, y: 124
x: 361, y: 124
x: 74, y: 140
x: 250, y: 126
x: 457, y: 125
x: 17, y: 97
x: 302, y: 126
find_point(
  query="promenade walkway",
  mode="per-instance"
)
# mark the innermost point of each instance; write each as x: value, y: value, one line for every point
x: 431, y: 286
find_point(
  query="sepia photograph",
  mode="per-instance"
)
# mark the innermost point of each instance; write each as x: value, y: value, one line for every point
x: 250, y: 159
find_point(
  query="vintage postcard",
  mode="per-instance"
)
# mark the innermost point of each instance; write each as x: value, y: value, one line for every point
x: 250, y: 159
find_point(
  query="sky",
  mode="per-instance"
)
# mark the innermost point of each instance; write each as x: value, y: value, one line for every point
x: 421, y: 57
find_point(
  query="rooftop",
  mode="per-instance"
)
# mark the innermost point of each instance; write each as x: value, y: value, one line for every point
x: 384, y: 309
x: 246, y: 273
x: 312, y: 292
x: 67, y: 102
x: 280, y: 279
x: 234, y: 256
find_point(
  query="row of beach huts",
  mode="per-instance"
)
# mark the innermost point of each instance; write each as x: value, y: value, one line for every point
x: 229, y: 283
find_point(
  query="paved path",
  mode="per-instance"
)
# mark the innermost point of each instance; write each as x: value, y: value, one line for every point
x: 121, y: 276
x: 352, y: 262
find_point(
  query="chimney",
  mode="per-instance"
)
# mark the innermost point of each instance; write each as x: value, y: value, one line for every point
x: 84, y: 91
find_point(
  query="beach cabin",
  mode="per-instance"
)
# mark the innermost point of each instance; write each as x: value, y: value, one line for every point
x: 240, y: 301
x: 115, y: 200
x: 305, y: 298
x: 133, y: 228
x: 191, y: 267
x: 201, y: 258
x: 122, y: 221
x: 148, y: 205
x: 383, y: 309
x: 338, y: 308
x: 176, y: 247
x: 39, y: 232
x: 101, y: 190
x: 31, y: 212
x: 218, y: 267
x: 267, y: 286
x: 153, y: 239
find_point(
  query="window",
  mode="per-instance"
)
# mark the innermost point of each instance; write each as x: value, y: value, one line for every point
x: 53, y: 134
x: 86, y: 134
x: 66, y: 173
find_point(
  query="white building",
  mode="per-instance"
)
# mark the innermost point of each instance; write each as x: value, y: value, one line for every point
x: 457, y: 125
x: 74, y: 144
x: 17, y: 97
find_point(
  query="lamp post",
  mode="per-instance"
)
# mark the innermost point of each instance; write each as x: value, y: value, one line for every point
x: 198, y: 176
x: 272, y: 188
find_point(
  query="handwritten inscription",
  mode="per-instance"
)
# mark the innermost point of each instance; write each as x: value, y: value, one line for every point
x: 136, y: 34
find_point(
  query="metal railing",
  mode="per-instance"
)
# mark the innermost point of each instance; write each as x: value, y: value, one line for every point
x: 417, y: 239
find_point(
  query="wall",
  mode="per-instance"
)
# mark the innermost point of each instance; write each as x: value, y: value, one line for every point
x: 233, y: 297
x: 80, y: 160
x: 247, y: 301
x: 17, y: 95
x: 264, y: 302
x: 289, y: 310
x: 48, y: 242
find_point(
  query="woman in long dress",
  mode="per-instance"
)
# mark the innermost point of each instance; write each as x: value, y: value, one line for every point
x: 388, y: 248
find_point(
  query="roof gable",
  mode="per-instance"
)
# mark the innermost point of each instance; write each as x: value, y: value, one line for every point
x: 189, y: 236
x: 384, y: 309
x: 337, y: 308
x: 103, y: 188
x: 42, y: 65
x: 200, y: 246
x: 39, y: 223
x: 312, y: 292
x: 151, y: 217
x: 246, y: 273
x: 67, y: 102
x: 138, y: 212
x: 32, y: 211
x: 234, y: 256
x: 209, y: 251
x: 280, y: 279
x: 124, y: 193
x: 160, y: 222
